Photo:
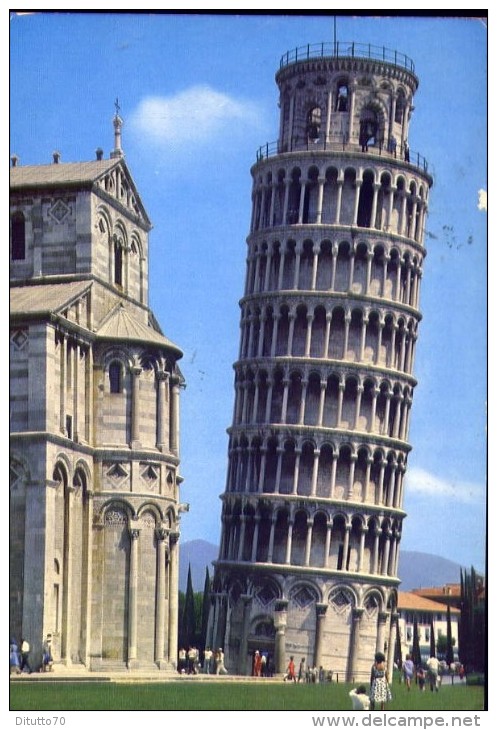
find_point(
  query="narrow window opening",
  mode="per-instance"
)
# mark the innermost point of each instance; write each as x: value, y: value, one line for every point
x: 115, y: 377
x: 18, y: 238
x: 118, y: 264
x: 342, y: 104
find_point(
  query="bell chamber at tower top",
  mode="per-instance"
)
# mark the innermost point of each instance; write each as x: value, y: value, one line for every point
x: 347, y: 97
x: 342, y: 156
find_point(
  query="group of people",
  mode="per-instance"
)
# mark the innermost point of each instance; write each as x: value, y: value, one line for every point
x: 431, y: 674
x: 306, y: 673
x: 379, y: 688
x: 19, y: 657
x: 262, y: 664
x: 189, y: 661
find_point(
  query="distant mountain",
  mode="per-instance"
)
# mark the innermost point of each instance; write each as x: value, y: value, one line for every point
x: 199, y: 554
x: 416, y: 569
x: 423, y: 570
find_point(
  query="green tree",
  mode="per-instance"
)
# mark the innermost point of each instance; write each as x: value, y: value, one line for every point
x: 188, y: 622
x: 472, y: 624
x: 449, y: 656
x: 433, y: 649
x: 206, y: 602
x: 416, y: 652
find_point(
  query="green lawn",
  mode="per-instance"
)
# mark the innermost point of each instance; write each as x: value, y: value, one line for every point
x: 188, y: 695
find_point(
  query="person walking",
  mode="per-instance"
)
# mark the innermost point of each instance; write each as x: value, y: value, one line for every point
x: 379, y: 691
x: 408, y: 671
x: 14, y: 660
x: 47, y: 658
x: 290, y: 671
x: 25, y: 649
x: 433, y: 666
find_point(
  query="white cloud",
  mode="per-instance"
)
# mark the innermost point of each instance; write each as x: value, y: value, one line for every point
x: 419, y: 481
x: 482, y: 200
x: 195, y: 115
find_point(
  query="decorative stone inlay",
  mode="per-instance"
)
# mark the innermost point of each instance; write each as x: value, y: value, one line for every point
x: 19, y: 338
x: 371, y: 605
x: 150, y: 476
x: 340, y: 601
x: 115, y: 518
x: 265, y: 595
x: 59, y: 211
x: 116, y: 475
x: 303, y: 597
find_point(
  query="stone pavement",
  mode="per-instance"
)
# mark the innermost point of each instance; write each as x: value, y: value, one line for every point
x: 77, y: 673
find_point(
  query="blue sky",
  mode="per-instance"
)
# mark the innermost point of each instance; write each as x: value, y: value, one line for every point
x: 198, y: 97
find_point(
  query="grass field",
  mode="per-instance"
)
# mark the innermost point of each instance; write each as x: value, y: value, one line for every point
x: 98, y: 696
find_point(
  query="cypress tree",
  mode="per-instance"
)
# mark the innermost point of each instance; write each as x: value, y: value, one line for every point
x: 188, y: 619
x: 205, y: 608
x: 433, y: 648
x: 416, y: 652
x: 450, y: 651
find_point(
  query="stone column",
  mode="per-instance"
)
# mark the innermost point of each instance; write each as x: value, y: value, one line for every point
x: 327, y: 335
x: 308, y: 543
x: 63, y: 383
x: 255, y: 539
x: 353, y: 461
x: 303, y: 402
x: 163, y: 386
x: 318, y: 642
x: 308, y: 335
x: 354, y: 643
x: 135, y: 408
x: 242, y: 654
x: 288, y: 552
x: 296, y: 471
x: 89, y: 395
x: 329, y: 527
x: 360, y: 566
x: 333, y: 473
x: 374, y: 205
x: 338, y: 211
x: 279, y: 620
x: 334, y: 254
x: 160, y: 600
x: 319, y: 212
x: 376, y: 546
x: 372, y: 423
x: 68, y: 580
x: 175, y: 415
x: 360, y: 391
x: 75, y: 393
x: 132, y: 663
x: 380, y: 634
x: 346, y: 542
x: 314, y: 478
x: 173, y: 597
x: 391, y: 645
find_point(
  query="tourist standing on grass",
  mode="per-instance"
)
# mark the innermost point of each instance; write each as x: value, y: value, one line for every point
x: 408, y: 671
x: 290, y: 671
x: 360, y: 699
x: 207, y: 660
x: 433, y: 669
x: 379, y: 691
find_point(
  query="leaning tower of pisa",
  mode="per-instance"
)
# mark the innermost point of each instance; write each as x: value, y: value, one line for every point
x: 313, y: 505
